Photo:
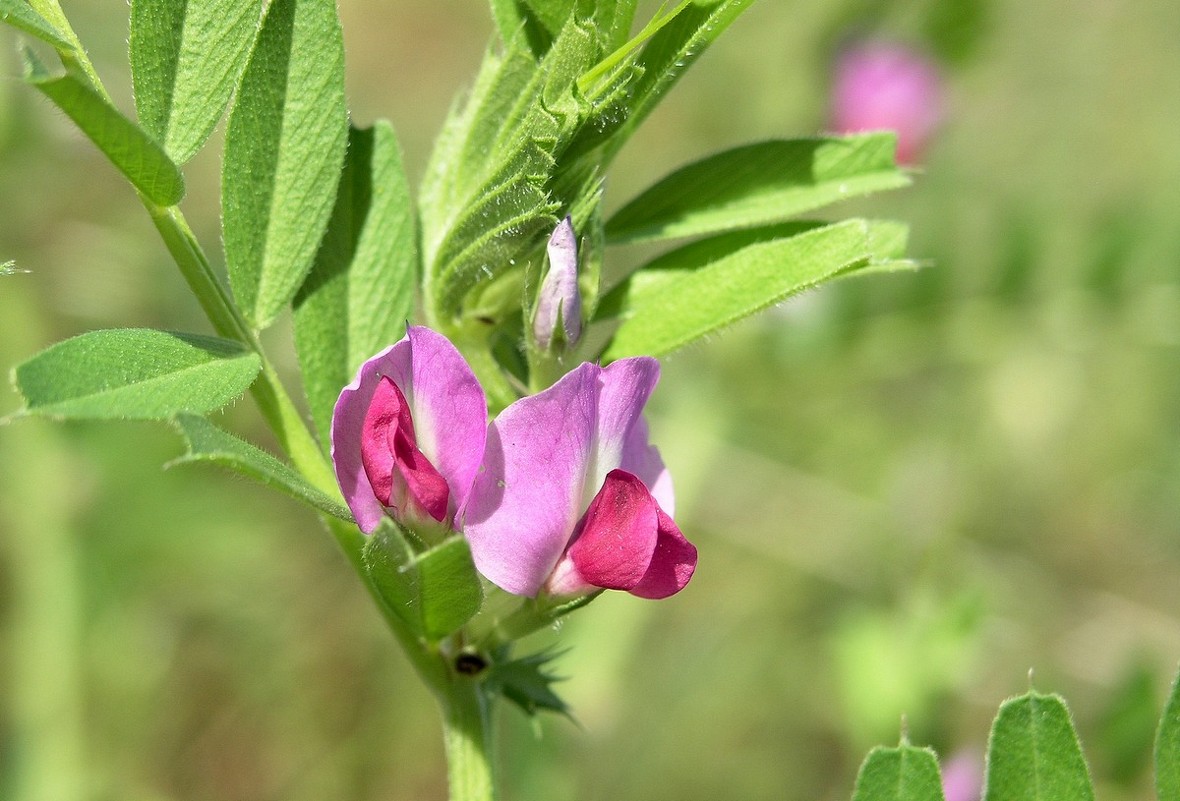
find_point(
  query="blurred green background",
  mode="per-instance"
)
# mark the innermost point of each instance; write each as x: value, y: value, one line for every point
x: 907, y: 490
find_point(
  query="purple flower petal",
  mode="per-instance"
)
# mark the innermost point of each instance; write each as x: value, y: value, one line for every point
x: 447, y: 407
x: 525, y: 503
x: 547, y: 460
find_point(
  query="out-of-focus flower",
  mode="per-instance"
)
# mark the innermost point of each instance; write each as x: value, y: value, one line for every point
x: 886, y: 86
x: 559, y: 302
x: 962, y: 778
x: 408, y: 433
x: 572, y: 497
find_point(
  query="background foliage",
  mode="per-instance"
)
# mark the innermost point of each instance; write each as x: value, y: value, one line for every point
x: 907, y: 490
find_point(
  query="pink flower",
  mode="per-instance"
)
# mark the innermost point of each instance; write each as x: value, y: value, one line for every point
x: 962, y: 778
x: 572, y: 498
x: 884, y: 86
x: 408, y: 433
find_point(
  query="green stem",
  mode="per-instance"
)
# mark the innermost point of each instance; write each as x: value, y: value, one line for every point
x: 467, y: 730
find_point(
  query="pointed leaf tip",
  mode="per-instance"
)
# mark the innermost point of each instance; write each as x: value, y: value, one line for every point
x: 1034, y: 753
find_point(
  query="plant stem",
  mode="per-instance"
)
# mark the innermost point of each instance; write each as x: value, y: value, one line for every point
x: 272, y: 398
x: 467, y: 731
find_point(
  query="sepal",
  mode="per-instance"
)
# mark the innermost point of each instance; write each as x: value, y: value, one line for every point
x: 434, y: 592
x: 528, y: 683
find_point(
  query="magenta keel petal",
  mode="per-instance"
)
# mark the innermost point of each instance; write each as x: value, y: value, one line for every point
x: 672, y: 564
x: 618, y: 536
x: 409, y: 431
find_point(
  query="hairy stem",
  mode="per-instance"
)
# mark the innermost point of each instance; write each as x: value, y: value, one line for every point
x: 467, y: 724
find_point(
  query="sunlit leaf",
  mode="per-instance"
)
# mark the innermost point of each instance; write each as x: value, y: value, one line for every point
x: 19, y: 15
x: 758, y: 184
x: 660, y: 64
x: 698, y: 289
x: 904, y: 773
x: 1034, y: 754
x: 186, y: 58
x: 283, y: 153
x: 361, y: 290
x: 129, y: 148
x: 208, y: 443
x: 135, y: 374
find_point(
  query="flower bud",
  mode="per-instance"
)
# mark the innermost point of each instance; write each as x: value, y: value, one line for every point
x: 559, y: 303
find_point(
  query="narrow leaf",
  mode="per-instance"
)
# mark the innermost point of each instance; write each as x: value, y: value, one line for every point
x: 758, y: 184
x: 688, y: 294
x: 1034, y: 754
x: 135, y: 374
x: 186, y: 58
x: 904, y: 773
x: 208, y: 443
x: 614, y: 19
x: 1167, y: 749
x: 665, y: 57
x: 283, y: 153
x: 361, y: 290
x: 19, y: 15
x: 133, y: 152
x: 448, y: 588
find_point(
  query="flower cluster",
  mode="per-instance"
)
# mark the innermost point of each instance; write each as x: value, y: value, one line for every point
x: 561, y: 493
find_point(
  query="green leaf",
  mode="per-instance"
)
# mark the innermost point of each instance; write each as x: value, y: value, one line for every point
x: 1034, y: 754
x: 208, y: 443
x: 1167, y: 749
x: 133, y: 152
x: 134, y: 374
x: 461, y: 161
x: 670, y: 51
x: 283, y: 152
x: 694, y: 291
x: 433, y: 593
x: 515, y: 18
x: 19, y: 15
x: 614, y: 19
x: 361, y: 290
x: 186, y: 58
x: 758, y: 184
x: 904, y: 773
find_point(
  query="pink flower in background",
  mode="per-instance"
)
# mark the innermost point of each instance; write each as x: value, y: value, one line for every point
x: 408, y: 433
x: 572, y: 498
x: 884, y: 86
x: 962, y: 778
